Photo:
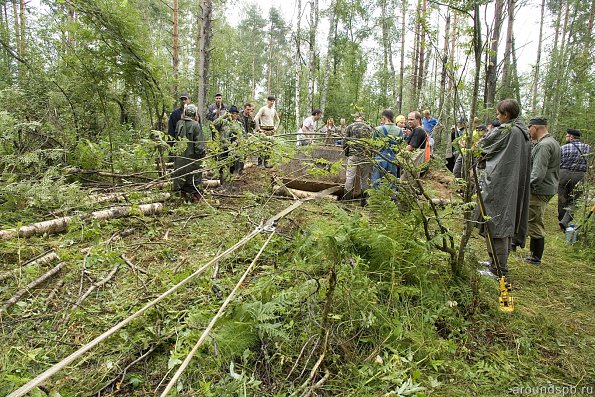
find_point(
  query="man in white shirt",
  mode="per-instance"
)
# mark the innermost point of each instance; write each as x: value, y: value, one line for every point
x: 267, y: 121
x: 308, y: 127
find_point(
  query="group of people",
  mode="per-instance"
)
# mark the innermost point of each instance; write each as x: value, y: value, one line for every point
x: 227, y: 123
x: 523, y: 167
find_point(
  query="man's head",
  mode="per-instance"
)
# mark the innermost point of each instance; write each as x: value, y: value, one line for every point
x: 271, y: 100
x: 401, y: 121
x: 427, y: 114
x: 317, y: 114
x: 387, y: 116
x: 572, y: 134
x: 184, y: 99
x: 537, y: 127
x: 248, y: 108
x: 218, y: 99
x: 507, y: 110
x: 414, y: 119
x: 234, y: 111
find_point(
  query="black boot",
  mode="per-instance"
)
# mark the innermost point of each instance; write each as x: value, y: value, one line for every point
x: 537, y: 246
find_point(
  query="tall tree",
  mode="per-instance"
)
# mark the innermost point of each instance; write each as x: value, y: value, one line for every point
x: 422, y: 52
x: 444, y: 59
x: 298, y: 64
x: 402, y: 66
x: 312, y: 52
x: 329, y: 52
x: 204, y: 45
x: 175, y: 50
x: 492, y: 64
x: 507, y: 91
x: 538, y: 60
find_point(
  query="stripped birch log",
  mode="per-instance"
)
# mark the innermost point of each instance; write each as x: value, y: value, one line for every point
x: 300, y: 194
x: 42, y: 259
x: 61, y: 224
x: 15, y: 298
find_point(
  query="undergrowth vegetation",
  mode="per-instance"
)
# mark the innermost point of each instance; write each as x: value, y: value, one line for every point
x: 344, y: 302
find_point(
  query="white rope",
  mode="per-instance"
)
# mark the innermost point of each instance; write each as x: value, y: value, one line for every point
x: 206, y: 332
x: 27, y: 387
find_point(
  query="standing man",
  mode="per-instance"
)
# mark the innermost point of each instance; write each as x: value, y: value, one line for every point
x: 429, y: 123
x: 176, y: 116
x: 247, y: 120
x: 545, y: 169
x: 391, y: 136
x: 308, y: 128
x: 228, y: 129
x: 504, y: 185
x: 358, y: 162
x: 217, y: 109
x: 573, y: 165
x: 187, y: 167
x: 418, y: 139
x: 267, y: 121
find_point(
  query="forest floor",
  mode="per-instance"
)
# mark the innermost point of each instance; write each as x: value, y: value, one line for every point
x: 410, y: 333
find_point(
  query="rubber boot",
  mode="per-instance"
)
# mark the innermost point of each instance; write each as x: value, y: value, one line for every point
x: 565, y: 221
x: 537, y: 246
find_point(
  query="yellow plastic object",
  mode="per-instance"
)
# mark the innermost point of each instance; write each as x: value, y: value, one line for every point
x: 505, y: 300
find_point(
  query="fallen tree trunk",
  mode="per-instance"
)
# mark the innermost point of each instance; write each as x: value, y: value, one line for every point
x: 74, y: 170
x: 15, y: 298
x: 300, y: 194
x: 42, y: 259
x: 61, y: 224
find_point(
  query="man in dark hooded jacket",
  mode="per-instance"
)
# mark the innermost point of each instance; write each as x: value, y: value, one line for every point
x: 504, y: 184
x: 187, y: 177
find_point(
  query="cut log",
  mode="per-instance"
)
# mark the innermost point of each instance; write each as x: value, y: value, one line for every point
x: 15, y: 298
x: 42, y: 259
x: 301, y: 194
x: 61, y: 224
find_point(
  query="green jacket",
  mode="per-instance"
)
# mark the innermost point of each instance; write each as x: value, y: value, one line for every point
x: 227, y: 129
x: 545, y: 170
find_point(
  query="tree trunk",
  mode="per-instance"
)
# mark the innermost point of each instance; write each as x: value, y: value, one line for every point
x: 415, y: 61
x: 329, y: 53
x: 549, y: 86
x: 204, y: 40
x: 402, y: 67
x: 445, y: 59
x: 393, y: 73
x: 312, y: 52
x: 537, y: 61
x: 422, y: 51
x: 61, y: 224
x: 457, y: 266
x: 298, y: 64
x: 506, y: 77
x: 175, y: 51
x: 492, y: 65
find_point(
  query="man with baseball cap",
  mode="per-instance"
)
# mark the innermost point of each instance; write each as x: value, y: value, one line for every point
x: 176, y: 116
x: 545, y: 168
x: 573, y: 165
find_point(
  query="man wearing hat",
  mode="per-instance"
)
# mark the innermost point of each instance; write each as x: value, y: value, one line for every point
x: 359, y: 165
x: 176, y: 116
x: 573, y: 165
x: 545, y: 169
x: 227, y: 129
